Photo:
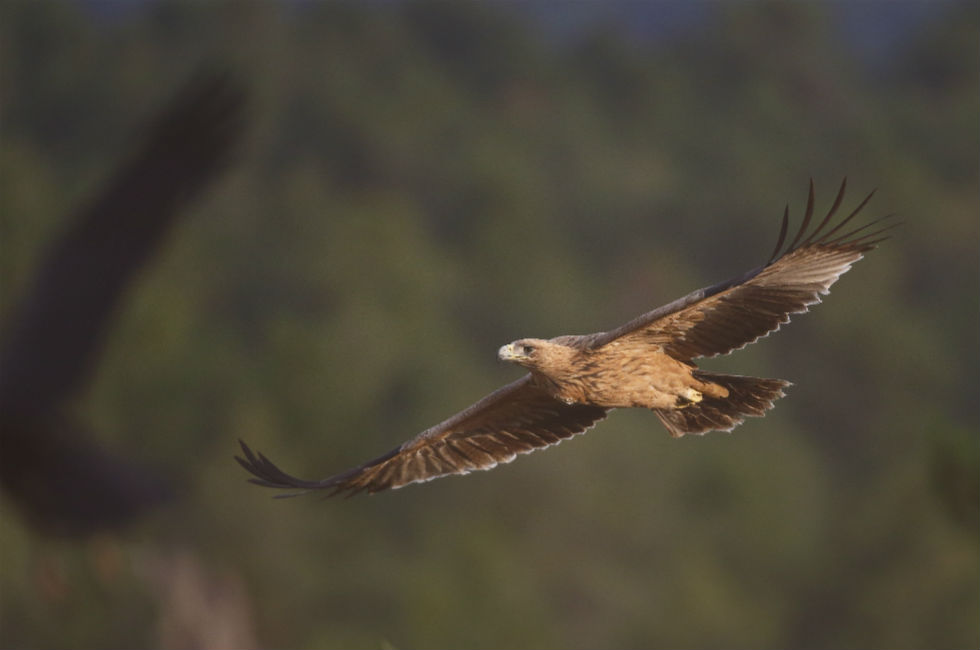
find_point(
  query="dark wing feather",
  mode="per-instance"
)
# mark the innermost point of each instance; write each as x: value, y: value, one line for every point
x: 515, y: 419
x: 730, y: 315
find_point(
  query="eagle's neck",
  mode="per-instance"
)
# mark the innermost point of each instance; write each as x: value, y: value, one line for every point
x: 556, y: 369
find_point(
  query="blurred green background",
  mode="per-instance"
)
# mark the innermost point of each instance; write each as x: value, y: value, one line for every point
x: 424, y: 182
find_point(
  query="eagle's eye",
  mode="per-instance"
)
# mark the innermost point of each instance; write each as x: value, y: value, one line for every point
x: 528, y: 350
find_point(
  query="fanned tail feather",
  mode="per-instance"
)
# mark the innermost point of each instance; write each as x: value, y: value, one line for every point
x: 747, y: 397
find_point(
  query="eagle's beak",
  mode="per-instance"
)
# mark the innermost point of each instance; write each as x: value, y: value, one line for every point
x: 507, y: 352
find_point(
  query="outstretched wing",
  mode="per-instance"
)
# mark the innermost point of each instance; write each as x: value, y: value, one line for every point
x: 515, y: 419
x: 730, y: 315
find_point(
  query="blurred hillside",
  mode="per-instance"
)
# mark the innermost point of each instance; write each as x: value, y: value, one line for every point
x: 424, y: 182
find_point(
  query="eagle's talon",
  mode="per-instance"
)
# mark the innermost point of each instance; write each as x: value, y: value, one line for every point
x: 689, y: 397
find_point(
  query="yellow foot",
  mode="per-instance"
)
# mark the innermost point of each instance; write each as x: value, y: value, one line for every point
x: 688, y: 397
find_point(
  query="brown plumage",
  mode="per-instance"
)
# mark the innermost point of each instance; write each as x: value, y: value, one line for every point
x: 648, y: 362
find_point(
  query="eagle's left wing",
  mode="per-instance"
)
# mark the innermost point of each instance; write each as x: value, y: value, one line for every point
x: 730, y: 315
x: 515, y: 419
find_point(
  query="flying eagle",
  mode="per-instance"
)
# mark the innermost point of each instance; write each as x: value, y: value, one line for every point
x: 574, y: 381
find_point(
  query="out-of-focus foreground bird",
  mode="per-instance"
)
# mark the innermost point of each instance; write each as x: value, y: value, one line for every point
x: 50, y: 464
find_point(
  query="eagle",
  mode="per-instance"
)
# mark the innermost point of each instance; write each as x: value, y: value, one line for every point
x: 574, y: 381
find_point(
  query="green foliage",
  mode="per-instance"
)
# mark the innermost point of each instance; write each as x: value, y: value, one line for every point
x: 424, y: 182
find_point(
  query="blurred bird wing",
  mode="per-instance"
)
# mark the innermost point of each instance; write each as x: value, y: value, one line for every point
x: 58, y: 331
x: 730, y: 315
x: 65, y: 481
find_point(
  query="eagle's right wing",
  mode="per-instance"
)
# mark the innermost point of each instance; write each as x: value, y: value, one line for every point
x: 730, y: 315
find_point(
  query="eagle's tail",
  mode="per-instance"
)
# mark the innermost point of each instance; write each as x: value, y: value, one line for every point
x: 747, y: 396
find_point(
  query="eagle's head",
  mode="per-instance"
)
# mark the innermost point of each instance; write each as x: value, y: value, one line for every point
x: 522, y: 351
x: 543, y: 356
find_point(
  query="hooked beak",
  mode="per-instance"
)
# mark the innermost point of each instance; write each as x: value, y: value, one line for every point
x: 507, y: 353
